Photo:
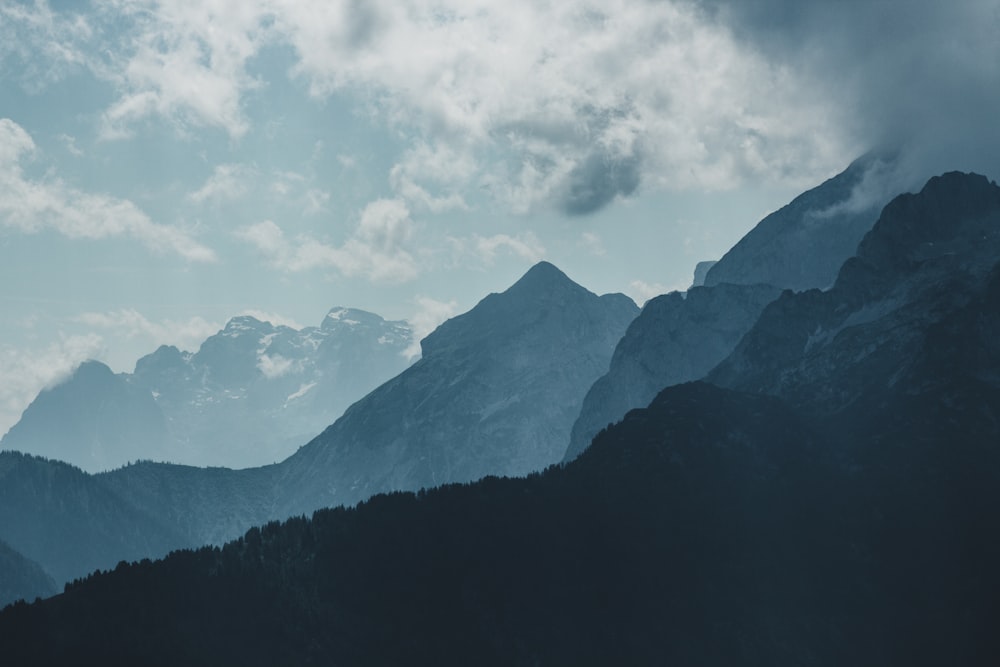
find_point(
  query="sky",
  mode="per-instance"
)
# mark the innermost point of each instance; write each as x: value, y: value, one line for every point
x: 167, y: 165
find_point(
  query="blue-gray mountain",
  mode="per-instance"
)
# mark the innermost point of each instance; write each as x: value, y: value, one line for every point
x: 848, y: 516
x: 803, y: 244
x: 678, y: 338
x: 251, y: 395
x: 22, y: 578
x: 495, y: 392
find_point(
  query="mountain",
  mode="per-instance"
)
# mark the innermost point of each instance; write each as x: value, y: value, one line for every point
x: 841, y: 511
x: 712, y: 527
x: 95, y: 419
x: 930, y: 257
x: 676, y: 338
x: 21, y: 578
x: 250, y: 395
x: 69, y: 522
x: 681, y: 337
x: 803, y: 244
x: 495, y: 393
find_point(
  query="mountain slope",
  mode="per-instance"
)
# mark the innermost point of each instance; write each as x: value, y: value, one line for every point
x: 803, y: 244
x: 250, y: 395
x: 712, y: 527
x: 69, y: 522
x: 929, y: 256
x: 94, y: 419
x: 848, y: 516
x: 676, y: 338
x: 495, y: 392
x: 21, y: 578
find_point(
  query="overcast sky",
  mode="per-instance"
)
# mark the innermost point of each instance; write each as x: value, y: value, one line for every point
x: 166, y: 165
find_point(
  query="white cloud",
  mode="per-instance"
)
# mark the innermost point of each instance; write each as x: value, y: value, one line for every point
x: 377, y: 250
x: 24, y: 375
x: 430, y: 313
x: 274, y: 365
x: 130, y: 324
x: 485, y: 249
x: 228, y: 181
x: 185, y: 61
x: 568, y: 104
x: 30, y: 206
x: 641, y: 291
x: 274, y: 318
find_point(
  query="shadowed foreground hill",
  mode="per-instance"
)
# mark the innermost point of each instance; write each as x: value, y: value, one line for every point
x: 713, y: 527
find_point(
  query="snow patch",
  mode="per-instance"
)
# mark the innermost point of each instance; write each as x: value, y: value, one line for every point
x: 274, y: 366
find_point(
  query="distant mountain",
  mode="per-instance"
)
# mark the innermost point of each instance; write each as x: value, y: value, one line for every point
x: 676, y: 338
x: 495, y: 393
x: 21, y: 578
x: 95, y: 420
x: 251, y: 395
x: 69, y: 522
x: 803, y: 244
x: 841, y: 511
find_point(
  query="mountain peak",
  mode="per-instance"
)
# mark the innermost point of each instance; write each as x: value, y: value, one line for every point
x: 949, y: 209
x: 543, y: 278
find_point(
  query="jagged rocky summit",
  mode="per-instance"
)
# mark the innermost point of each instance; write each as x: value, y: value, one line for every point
x: 250, y: 395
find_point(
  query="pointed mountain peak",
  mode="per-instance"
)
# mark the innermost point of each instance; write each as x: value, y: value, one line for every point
x: 543, y: 277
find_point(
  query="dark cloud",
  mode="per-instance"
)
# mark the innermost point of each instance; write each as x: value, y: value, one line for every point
x: 922, y: 75
x: 596, y: 181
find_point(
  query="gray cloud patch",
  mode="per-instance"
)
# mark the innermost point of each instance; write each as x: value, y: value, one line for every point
x: 922, y: 75
x: 596, y: 181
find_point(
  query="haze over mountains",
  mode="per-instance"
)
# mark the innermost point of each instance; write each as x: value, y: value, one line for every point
x: 495, y: 392
x: 251, y: 395
x: 831, y: 498
x: 678, y: 338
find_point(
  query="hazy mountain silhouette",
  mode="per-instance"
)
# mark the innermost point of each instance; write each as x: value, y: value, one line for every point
x: 251, y: 395
x: 22, y: 578
x: 803, y: 244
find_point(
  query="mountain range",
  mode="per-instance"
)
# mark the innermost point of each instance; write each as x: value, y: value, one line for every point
x: 251, y: 395
x: 495, y: 392
x: 829, y: 496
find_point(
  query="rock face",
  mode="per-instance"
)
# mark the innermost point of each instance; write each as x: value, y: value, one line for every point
x: 929, y: 257
x: 701, y: 270
x: 95, y: 419
x: 251, y: 395
x: 676, y: 338
x: 803, y: 244
x: 21, y: 578
x: 495, y: 393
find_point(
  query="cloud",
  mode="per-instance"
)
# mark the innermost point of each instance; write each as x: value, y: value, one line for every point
x: 24, y: 375
x: 593, y: 244
x: 274, y: 365
x: 568, y: 105
x: 485, y: 249
x: 564, y: 105
x: 429, y: 314
x: 377, y: 249
x: 130, y: 324
x: 641, y: 291
x: 921, y: 76
x: 228, y: 181
x: 30, y: 206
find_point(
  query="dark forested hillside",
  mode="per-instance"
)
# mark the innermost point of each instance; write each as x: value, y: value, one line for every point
x: 713, y: 527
